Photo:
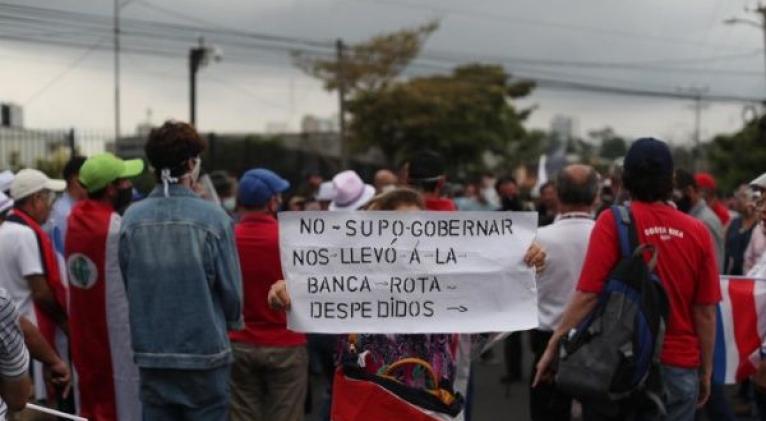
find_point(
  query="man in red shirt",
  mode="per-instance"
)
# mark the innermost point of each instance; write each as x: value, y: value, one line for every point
x: 270, y: 370
x: 425, y: 172
x: 686, y: 266
x: 706, y: 183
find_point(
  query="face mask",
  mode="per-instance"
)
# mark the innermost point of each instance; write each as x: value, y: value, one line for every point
x: 167, y: 179
x: 194, y: 174
x: 123, y: 199
x: 230, y: 203
x: 511, y: 204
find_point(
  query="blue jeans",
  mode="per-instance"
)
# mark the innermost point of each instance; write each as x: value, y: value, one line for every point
x: 681, y: 390
x: 170, y: 394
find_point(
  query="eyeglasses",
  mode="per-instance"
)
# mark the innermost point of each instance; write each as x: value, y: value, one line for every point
x: 47, y: 196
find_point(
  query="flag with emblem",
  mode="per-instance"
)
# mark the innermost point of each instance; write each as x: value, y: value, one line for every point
x: 98, y: 316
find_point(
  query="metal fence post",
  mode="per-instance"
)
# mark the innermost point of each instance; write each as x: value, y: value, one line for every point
x: 72, y: 143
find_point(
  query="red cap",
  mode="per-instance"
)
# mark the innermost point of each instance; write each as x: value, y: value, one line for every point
x: 705, y: 181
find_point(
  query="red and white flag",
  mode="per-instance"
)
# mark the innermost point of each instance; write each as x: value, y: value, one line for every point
x: 98, y: 316
x: 741, y: 328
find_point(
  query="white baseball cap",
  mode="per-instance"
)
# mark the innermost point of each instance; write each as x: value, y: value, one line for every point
x: 5, y: 202
x: 29, y: 181
x: 760, y: 181
x: 6, y: 178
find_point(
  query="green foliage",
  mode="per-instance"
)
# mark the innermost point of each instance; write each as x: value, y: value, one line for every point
x: 527, y: 149
x: 462, y: 115
x: 53, y: 164
x: 613, y: 146
x: 739, y: 157
x: 370, y: 65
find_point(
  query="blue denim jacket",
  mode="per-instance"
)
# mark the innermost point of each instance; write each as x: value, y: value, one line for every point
x: 183, y: 281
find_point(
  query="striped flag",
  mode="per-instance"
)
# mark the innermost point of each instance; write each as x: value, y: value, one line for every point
x: 98, y: 316
x: 740, y: 330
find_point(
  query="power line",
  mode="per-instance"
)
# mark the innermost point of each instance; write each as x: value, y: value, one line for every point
x: 63, y: 73
x: 159, y: 31
x: 171, y: 40
x: 494, y: 16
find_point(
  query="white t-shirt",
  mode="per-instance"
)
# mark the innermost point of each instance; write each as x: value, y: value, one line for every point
x: 565, y: 243
x: 19, y: 257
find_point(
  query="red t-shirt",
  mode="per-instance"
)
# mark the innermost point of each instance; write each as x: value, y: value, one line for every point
x: 686, y: 265
x: 439, y: 204
x: 257, y: 237
x: 720, y: 211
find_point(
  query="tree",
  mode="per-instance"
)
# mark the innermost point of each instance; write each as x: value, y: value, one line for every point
x: 738, y: 158
x: 54, y: 162
x: 462, y: 115
x: 613, y: 146
x: 371, y: 65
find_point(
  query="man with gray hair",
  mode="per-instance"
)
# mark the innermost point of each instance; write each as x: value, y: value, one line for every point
x: 565, y: 241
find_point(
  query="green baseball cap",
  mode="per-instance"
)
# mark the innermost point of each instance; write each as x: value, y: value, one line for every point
x: 100, y: 170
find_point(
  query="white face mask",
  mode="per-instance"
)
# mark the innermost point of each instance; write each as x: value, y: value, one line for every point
x: 230, y: 203
x: 167, y: 179
x: 194, y: 174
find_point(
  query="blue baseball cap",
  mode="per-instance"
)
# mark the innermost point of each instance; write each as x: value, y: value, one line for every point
x: 258, y: 186
x: 649, y: 155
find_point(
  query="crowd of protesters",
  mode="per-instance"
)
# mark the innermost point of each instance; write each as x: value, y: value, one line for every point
x: 173, y: 306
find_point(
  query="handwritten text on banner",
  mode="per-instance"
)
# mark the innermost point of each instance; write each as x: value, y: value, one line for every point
x: 408, y: 272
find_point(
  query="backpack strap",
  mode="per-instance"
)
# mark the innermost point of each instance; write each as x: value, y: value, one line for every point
x: 626, y: 230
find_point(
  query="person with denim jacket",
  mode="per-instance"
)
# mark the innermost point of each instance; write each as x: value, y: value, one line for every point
x: 183, y: 281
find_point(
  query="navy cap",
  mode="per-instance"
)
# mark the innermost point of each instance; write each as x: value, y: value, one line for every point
x: 258, y: 186
x: 649, y: 155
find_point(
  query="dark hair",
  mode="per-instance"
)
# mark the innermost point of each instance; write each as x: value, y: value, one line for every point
x: 577, y: 191
x: 547, y: 184
x: 171, y: 145
x: 647, y: 183
x: 98, y: 194
x: 685, y: 179
x: 222, y: 183
x: 72, y: 167
x: 426, y: 169
x: 395, y: 198
x: 505, y: 179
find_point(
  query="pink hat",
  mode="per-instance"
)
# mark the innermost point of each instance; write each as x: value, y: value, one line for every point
x: 350, y: 191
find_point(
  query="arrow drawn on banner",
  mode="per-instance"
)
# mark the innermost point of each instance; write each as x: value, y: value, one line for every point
x: 461, y: 309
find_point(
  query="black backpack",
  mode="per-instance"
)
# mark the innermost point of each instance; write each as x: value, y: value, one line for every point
x: 613, y: 354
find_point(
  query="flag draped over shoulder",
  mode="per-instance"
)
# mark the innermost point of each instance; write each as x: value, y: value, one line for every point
x: 740, y: 330
x: 98, y: 316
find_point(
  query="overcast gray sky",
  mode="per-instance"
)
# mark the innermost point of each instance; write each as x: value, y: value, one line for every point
x: 674, y: 43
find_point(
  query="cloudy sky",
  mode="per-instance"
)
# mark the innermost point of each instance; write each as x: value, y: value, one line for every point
x: 655, y: 45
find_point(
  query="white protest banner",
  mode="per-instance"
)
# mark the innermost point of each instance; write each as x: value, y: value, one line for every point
x: 408, y: 272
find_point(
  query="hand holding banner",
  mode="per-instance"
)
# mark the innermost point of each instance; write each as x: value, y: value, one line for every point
x: 419, y: 272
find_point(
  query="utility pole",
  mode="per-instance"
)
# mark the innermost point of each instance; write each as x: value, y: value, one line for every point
x: 199, y: 57
x: 697, y: 92
x: 116, y: 70
x: 339, y: 50
x: 195, y: 57
x: 761, y: 10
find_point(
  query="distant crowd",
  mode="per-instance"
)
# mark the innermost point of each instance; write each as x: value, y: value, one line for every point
x: 172, y: 305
